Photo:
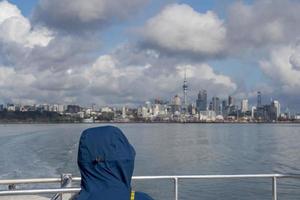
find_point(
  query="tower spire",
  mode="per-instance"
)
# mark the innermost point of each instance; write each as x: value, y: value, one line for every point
x: 185, y: 88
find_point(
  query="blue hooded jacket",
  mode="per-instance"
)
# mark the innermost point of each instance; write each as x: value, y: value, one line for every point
x: 106, y: 163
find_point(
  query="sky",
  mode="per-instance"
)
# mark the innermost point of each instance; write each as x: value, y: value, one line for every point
x: 111, y: 52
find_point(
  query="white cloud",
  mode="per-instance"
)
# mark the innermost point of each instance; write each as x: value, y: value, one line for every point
x: 109, y: 76
x: 9, y: 78
x: 8, y: 10
x: 281, y: 70
x: 15, y: 85
x: 295, y: 57
x: 203, y: 75
x: 178, y: 28
x: 14, y: 27
x: 262, y: 24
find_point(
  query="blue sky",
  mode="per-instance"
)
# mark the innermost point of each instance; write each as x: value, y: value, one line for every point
x: 26, y: 6
x: 234, y: 47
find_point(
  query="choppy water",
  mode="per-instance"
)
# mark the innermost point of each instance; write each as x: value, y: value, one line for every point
x: 169, y: 149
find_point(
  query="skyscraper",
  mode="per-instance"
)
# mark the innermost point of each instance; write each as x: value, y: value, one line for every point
x: 224, y: 108
x: 276, y: 105
x: 230, y: 101
x: 244, y: 105
x: 215, y: 105
x: 201, y: 102
x: 176, y: 104
x: 259, y: 105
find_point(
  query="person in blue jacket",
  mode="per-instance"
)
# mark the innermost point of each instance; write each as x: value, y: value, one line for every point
x: 106, y: 163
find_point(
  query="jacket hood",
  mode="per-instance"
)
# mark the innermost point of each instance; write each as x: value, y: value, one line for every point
x: 106, y: 163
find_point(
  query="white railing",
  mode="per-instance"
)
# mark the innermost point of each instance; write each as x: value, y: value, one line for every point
x: 67, y: 179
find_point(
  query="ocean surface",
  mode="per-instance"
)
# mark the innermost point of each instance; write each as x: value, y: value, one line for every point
x: 32, y: 151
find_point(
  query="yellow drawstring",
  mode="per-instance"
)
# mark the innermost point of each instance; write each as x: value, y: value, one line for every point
x: 132, y: 195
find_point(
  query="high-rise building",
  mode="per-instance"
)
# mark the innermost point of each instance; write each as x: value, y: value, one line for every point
x: 230, y: 101
x: 215, y: 105
x: 244, y: 105
x: 259, y: 105
x: 224, y: 108
x: 123, y: 112
x: 201, y: 102
x: 176, y: 104
x: 276, y: 105
x: 253, y: 110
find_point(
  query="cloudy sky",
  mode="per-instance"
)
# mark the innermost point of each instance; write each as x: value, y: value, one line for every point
x: 112, y: 52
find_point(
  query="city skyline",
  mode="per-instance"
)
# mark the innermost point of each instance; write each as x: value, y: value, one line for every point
x: 109, y: 53
x: 203, y: 102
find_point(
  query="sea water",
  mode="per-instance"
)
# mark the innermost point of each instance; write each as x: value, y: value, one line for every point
x: 47, y: 150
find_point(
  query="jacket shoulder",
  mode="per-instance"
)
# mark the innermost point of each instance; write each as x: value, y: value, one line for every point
x: 142, y: 196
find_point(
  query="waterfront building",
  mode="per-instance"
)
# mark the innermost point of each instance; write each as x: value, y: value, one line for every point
x: 106, y: 109
x: 244, y: 105
x: 266, y: 113
x: 88, y: 112
x: 176, y: 104
x: 80, y: 114
x: 233, y: 110
x: 143, y: 112
x: 164, y: 111
x: 230, y: 101
x: 201, y: 102
x: 192, y: 109
x: 296, y: 117
x: 276, y: 105
x: 1, y: 107
x: 259, y: 104
x: 219, y: 118
x: 60, y: 108
x: 11, y: 107
x: 207, y: 116
x: 124, y: 112
x: 215, y: 105
x: 44, y: 107
x: 270, y: 113
x: 53, y: 108
x: 224, y: 108
x: 155, y: 110
x: 73, y: 109
x: 253, y: 110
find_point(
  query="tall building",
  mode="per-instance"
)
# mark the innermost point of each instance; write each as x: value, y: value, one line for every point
x: 224, y: 108
x: 123, y: 112
x: 259, y: 104
x: 230, y: 101
x: 185, y: 88
x: 176, y: 104
x: 215, y: 105
x: 201, y: 102
x: 276, y: 105
x: 253, y: 110
x: 244, y: 105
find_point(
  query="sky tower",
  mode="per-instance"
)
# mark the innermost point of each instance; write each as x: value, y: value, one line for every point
x: 185, y: 88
